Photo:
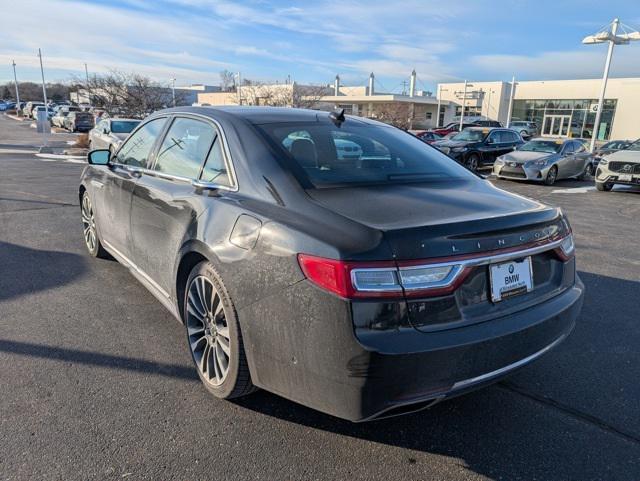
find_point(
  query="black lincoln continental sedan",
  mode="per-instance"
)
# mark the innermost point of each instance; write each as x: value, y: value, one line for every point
x: 362, y: 286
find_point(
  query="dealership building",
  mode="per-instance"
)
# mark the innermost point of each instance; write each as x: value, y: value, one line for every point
x: 561, y: 108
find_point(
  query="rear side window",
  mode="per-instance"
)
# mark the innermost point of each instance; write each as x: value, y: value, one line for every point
x: 215, y: 169
x: 185, y: 148
x: 324, y: 154
x: 137, y: 148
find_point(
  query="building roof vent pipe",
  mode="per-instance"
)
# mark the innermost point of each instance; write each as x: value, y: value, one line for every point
x: 412, y: 84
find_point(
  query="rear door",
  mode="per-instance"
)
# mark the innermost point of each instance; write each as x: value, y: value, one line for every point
x: 165, y: 204
x: 581, y: 157
x: 117, y: 186
x: 566, y: 165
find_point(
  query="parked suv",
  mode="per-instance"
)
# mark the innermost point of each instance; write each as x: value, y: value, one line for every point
x: 478, y: 146
x: 487, y: 123
x: 363, y: 287
x: 79, y: 121
x: 622, y: 167
x: 524, y: 128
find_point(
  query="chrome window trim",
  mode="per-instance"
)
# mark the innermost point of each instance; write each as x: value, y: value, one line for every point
x: 226, y: 153
x: 178, y: 178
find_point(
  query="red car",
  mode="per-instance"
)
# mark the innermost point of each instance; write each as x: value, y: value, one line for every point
x: 452, y: 127
x: 428, y: 136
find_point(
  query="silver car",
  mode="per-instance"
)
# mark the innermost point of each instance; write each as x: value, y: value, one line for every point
x: 546, y: 160
x: 108, y: 134
x: 524, y: 128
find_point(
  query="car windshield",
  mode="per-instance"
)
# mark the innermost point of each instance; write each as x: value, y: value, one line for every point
x: 519, y: 124
x: 634, y: 146
x: 123, y: 126
x: 323, y: 154
x: 616, y: 144
x: 548, y: 146
x: 471, y: 135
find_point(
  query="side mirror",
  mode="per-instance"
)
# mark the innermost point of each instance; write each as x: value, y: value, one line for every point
x: 98, y: 157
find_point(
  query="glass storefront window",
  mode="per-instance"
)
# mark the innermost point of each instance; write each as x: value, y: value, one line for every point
x: 579, y: 111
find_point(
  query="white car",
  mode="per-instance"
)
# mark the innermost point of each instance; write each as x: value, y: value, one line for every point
x: 110, y: 133
x: 622, y: 167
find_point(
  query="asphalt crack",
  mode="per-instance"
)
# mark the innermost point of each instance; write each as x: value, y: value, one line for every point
x: 568, y: 410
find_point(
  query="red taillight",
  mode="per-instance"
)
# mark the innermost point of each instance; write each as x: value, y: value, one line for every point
x: 340, y: 277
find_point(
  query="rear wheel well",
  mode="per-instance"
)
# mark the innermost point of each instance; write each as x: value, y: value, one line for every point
x: 187, y: 263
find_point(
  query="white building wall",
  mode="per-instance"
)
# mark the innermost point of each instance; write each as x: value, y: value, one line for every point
x: 626, y: 122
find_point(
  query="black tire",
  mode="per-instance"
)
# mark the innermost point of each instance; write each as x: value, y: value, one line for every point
x: 552, y: 175
x: 237, y: 380
x: 473, y: 162
x: 90, y: 230
x: 604, y: 186
x: 587, y: 174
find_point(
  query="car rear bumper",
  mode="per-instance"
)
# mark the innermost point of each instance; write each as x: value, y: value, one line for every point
x: 319, y: 361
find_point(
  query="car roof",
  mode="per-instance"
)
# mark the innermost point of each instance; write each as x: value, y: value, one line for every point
x: 123, y: 119
x: 262, y: 115
x: 564, y: 140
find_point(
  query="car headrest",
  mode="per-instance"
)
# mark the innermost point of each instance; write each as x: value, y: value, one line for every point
x: 304, y: 151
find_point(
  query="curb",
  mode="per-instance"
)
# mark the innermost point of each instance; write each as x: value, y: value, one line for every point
x: 76, y: 159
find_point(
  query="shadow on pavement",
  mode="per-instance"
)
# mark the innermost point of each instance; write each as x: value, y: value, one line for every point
x: 24, y: 270
x: 97, y: 359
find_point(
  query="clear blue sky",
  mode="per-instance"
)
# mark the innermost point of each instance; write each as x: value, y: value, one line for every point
x: 313, y: 41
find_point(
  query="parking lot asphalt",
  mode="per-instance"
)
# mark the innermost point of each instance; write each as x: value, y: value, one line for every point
x: 97, y: 383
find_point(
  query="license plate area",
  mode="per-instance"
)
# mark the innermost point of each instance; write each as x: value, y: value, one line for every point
x: 510, y: 278
x: 625, y: 177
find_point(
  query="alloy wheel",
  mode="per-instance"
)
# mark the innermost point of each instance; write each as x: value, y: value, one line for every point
x: 208, y: 331
x: 89, y: 224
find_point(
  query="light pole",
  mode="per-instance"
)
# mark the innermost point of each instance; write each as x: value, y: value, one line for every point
x: 15, y: 79
x: 44, y: 89
x: 608, y: 35
x: 440, y: 90
x: 513, y: 88
x: 173, y: 90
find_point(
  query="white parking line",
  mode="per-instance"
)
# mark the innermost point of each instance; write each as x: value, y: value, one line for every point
x: 574, y: 190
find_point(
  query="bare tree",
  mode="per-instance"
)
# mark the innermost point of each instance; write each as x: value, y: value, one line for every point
x: 281, y: 95
x: 227, y: 81
x: 396, y: 114
x: 130, y: 95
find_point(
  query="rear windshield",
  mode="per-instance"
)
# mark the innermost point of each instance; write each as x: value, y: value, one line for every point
x: 548, y: 146
x: 83, y: 115
x: 123, y: 126
x: 357, y: 153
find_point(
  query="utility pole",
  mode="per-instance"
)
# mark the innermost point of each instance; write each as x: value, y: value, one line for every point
x: 44, y: 89
x: 15, y: 79
x: 238, y: 90
x: 173, y: 91
x: 86, y: 74
x: 513, y: 88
